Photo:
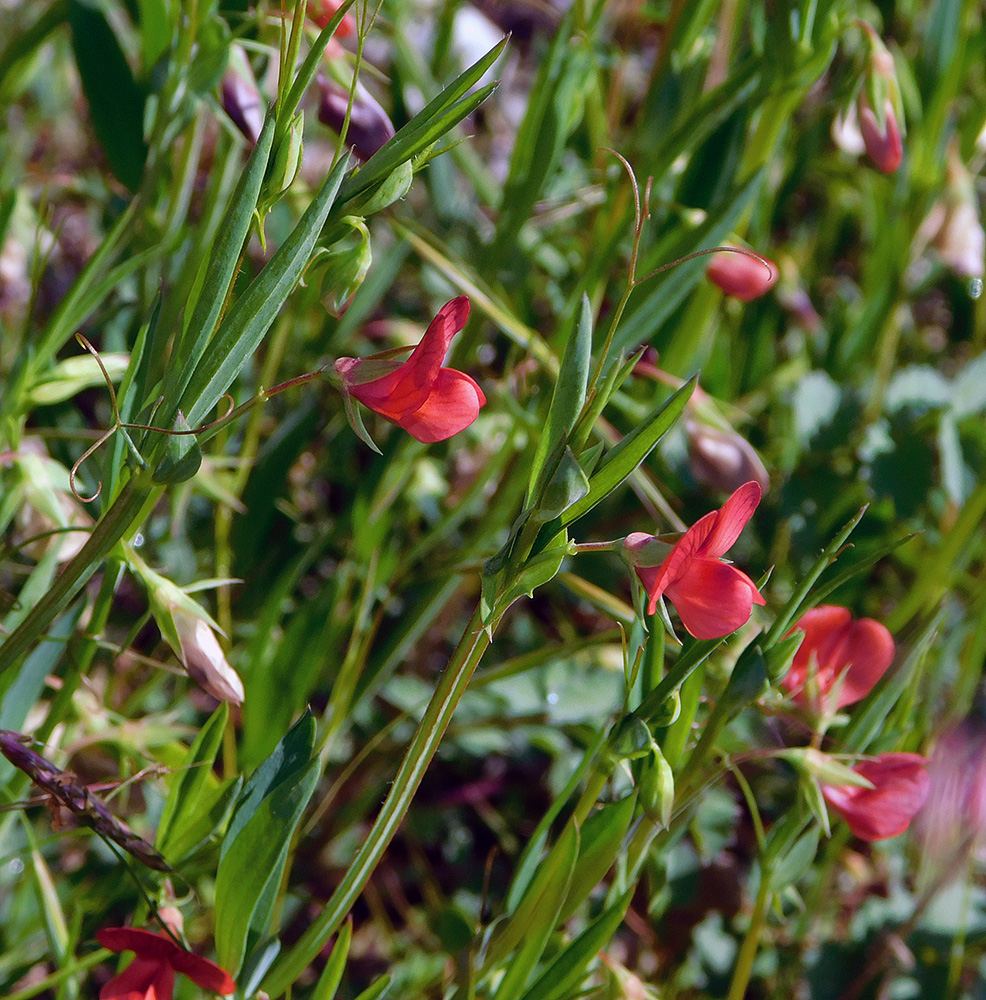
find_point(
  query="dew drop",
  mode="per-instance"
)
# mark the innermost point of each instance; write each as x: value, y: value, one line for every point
x: 975, y: 288
x: 15, y: 866
x: 552, y: 698
x: 138, y: 540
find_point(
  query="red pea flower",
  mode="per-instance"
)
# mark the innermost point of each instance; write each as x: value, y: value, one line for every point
x: 151, y: 975
x: 900, y: 786
x: 711, y: 597
x: 430, y: 402
x: 857, y: 651
x: 740, y: 275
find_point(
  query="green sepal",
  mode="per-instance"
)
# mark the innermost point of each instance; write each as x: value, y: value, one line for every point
x: 568, y: 485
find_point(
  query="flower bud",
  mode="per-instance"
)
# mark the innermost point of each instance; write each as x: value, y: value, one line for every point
x: 392, y: 189
x: 341, y: 270
x: 240, y: 97
x: 723, y: 460
x: 369, y: 127
x: 881, y: 114
x: 204, y: 659
x: 188, y: 630
x: 657, y: 786
x: 741, y: 275
x: 287, y: 156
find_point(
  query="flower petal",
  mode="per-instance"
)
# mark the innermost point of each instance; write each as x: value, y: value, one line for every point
x: 452, y: 405
x: 203, y: 973
x: 146, y: 944
x: 401, y: 392
x: 731, y: 519
x: 142, y: 979
x: 901, y: 785
x: 869, y: 650
x: 689, y: 546
x: 713, y: 599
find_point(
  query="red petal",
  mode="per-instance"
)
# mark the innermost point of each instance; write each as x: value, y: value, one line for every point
x: 204, y: 973
x: 732, y: 518
x: 688, y: 547
x: 823, y: 628
x: 146, y: 944
x: 901, y: 786
x: 869, y: 650
x: 401, y: 392
x: 452, y: 405
x: 143, y: 979
x: 713, y: 599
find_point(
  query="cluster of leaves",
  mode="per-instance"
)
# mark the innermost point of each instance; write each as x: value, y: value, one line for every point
x: 610, y: 807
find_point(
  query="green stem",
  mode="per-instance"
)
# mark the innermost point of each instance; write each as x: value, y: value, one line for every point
x: 432, y: 727
x: 110, y: 528
x: 748, y: 950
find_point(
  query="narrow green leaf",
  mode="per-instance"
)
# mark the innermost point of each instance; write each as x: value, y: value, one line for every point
x: 621, y: 460
x: 219, y: 267
x: 192, y: 778
x: 796, y: 861
x: 328, y: 982
x: 116, y: 103
x: 568, y: 397
x: 250, y: 870
x: 376, y: 990
x: 156, y: 30
x: 448, y: 108
x: 182, y: 455
x: 246, y: 323
x: 203, y: 820
x: 563, y: 975
x: 601, y: 836
x: 536, y: 918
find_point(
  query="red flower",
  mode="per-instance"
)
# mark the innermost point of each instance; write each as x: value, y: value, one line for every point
x: 861, y: 650
x: 151, y: 975
x: 711, y: 597
x: 430, y: 402
x: 900, y: 786
x: 740, y: 275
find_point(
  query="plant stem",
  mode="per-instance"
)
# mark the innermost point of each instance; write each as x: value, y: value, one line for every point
x: 438, y: 714
x: 748, y: 950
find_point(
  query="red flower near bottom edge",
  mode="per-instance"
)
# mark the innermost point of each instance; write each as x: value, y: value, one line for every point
x: 900, y: 786
x: 151, y: 975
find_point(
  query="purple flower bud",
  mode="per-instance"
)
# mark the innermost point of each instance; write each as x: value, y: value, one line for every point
x: 240, y: 97
x: 369, y: 126
x: 723, y: 460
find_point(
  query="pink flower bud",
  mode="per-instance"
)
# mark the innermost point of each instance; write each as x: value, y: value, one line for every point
x: 723, y: 460
x: 204, y: 659
x: 240, y: 97
x: 741, y: 275
x: 883, y: 145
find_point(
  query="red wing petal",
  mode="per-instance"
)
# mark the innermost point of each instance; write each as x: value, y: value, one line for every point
x: 713, y: 599
x: 688, y: 547
x: 452, y: 405
x: 732, y: 518
x: 204, y: 973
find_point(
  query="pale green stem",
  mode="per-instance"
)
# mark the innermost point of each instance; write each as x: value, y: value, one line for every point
x: 751, y: 942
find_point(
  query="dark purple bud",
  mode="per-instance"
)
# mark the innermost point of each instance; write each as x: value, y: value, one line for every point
x: 369, y: 126
x: 240, y: 97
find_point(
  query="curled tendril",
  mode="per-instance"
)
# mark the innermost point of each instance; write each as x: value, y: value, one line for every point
x: 702, y: 253
x: 100, y: 441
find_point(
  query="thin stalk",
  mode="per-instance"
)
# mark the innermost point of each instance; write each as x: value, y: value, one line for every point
x: 751, y: 942
x: 438, y: 715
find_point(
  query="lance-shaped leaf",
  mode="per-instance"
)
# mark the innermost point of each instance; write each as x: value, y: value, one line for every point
x: 568, y: 397
x: 621, y: 460
x: 568, y: 485
x: 244, y: 327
